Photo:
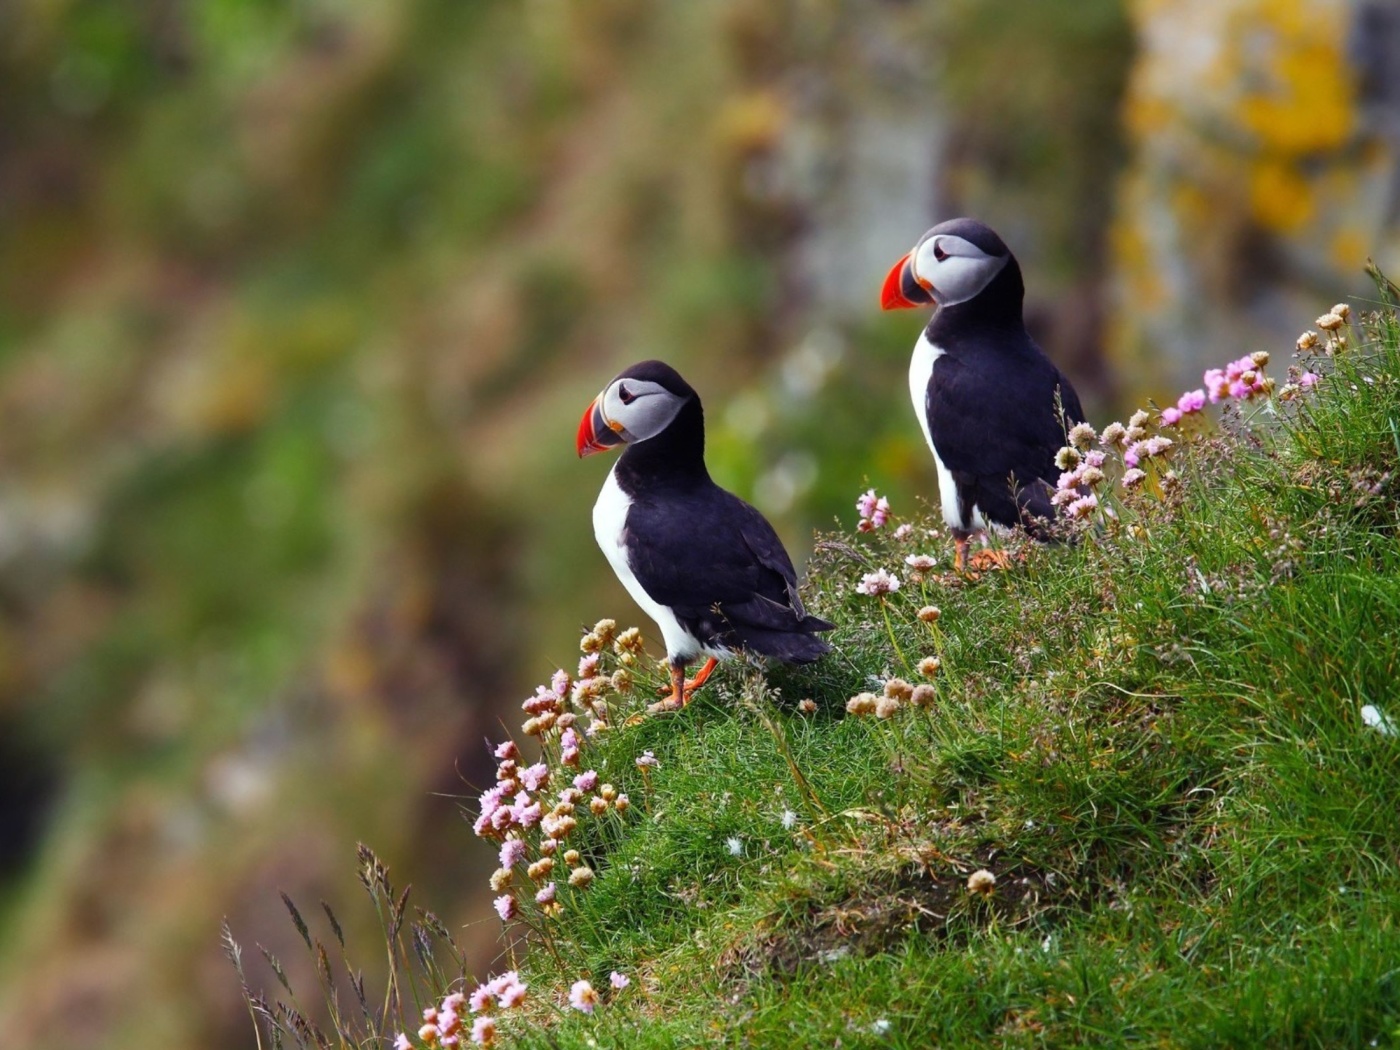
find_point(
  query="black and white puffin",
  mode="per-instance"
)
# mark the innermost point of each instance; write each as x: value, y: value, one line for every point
x: 994, y: 409
x: 702, y: 563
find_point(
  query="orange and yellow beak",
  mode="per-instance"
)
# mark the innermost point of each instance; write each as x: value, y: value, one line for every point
x: 903, y: 289
x: 595, y: 432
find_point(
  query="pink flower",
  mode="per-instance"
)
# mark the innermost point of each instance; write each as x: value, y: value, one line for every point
x: 877, y: 583
x: 586, y: 781
x: 506, y: 907
x: 1191, y: 401
x: 1133, y: 478
x: 583, y: 997
x: 1093, y: 459
x: 1171, y: 417
x: 512, y: 853
x: 512, y: 995
x: 619, y: 980
x: 480, y: 999
x: 588, y: 665
x: 484, y: 1031
x: 543, y: 700
x: 1216, y: 384
x: 904, y: 532
x: 535, y: 777
x: 527, y: 814
x: 559, y: 684
x: 402, y: 1042
x: 507, y: 751
x: 1083, y: 507
x: 874, y: 511
x: 502, y: 981
x: 428, y: 1033
x: 645, y: 759
x: 569, y: 747
x: 1308, y: 379
x: 546, y: 894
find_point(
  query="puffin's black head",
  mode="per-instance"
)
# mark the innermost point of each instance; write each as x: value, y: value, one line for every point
x: 951, y: 264
x: 638, y: 404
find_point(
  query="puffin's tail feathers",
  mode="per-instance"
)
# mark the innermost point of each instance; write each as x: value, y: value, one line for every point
x: 797, y: 646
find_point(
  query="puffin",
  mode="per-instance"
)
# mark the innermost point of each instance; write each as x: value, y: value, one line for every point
x: 701, y: 562
x: 993, y: 408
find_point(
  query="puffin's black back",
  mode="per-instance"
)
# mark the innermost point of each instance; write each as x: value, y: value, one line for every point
x: 704, y: 552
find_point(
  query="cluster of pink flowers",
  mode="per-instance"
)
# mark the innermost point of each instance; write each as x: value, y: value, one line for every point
x: 1187, y: 404
x: 874, y: 511
x: 585, y: 998
x: 444, y: 1024
x: 1242, y: 380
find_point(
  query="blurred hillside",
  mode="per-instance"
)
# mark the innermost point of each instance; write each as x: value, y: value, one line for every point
x: 299, y: 306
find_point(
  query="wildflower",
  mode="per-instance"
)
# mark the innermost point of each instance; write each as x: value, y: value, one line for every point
x: 480, y: 999
x: 735, y: 845
x: 621, y: 803
x: 619, y: 981
x: 1094, y: 459
x: 507, y: 751
x: 506, y: 907
x: 1090, y: 476
x: 981, y: 882
x: 886, y: 707
x: 512, y: 995
x: 580, y: 877
x: 1067, y: 458
x: 898, y: 689
x: 543, y: 700
x: 540, y: 869
x: 1138, y: 420
x: 929, y: 665
x: 622, y: 680
x: 528, y: 814
x: 449, y: 1024
x: 402, y: 1042
x: 590, y: 643
x: 903, y: 532
x: 1084, y: 506
x: 647, y: 759
x: 484, y: 1030
x: 1308, y: 379
x: 1113, y: 434
x: 1259, y: 358
x: 1376, y: 719
x: 1307, y: 340
x: 1081, y: 436
x: 533, y: 727
x: 861, y: 704
x: 1155, y: 446
x: 877, y: 583
x: 788, y: 819
x: 1331, y: 321
x: 605, y: 629
x: 583, y: 997
x: 1171, y: 417
x: 1191, y: 401
x: 629, y: 641
x: 569, y: 747
x: 548, y: 846
x: 920, y: 562
x: 607, y: 792
x: 501, y: 878
x: 1133, y: 478
x: 807, y: 706
x: 535, y: 777
x: 924, y: 695
x: 1343, y: 311
x: 546, y: 894
x: 558, y: 826
x: 428, y: 1033
x: 586, y: 781
x: 598, y: 806
x: 588, y: 665
x: 930, y: 614
x: 874, y: 511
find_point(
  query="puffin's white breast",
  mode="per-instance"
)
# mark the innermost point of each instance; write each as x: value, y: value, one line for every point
x: 610, y: 529
x: 920, y: 372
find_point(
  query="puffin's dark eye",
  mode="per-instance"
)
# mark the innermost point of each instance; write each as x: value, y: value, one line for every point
x: 625, y: 396
x: 939, y: 253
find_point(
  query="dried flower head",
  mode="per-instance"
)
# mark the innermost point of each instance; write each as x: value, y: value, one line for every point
x: 541, y: 869
x: 546, y: 894
x: 930, y: 614
x: 1307, y: 340
x: 647, y: 759
x: 1133, y: 478
x: 981, y: 882
x: 571, y: 857
x: 807, y: 706
x: 929, y: 665
x: 1343, y: 311
x: 1067, y: 458
x: 607, y: 792
x: 605, y: 629
x: 1113, y: 434
x: 621, y: 803
x: 590, y: 643
x: 898, y: 689
x: 629, y: 641
x: 501, y: 879
x: 1083, y: 507
x: 861, y: 704
x: 886, y: 707
x: 1330, y: 322
x: 581, y: 876
x: 622, y: 680
x: 1082, y: 435
x: 598, y: 806
x: 1260, y: 358
x: 925, y: 695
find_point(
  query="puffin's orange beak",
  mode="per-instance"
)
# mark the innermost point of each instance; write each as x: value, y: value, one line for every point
x: 903, y: 290
x: 595, y: 434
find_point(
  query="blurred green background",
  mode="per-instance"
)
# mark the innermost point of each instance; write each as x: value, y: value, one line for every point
x: 300, y: 303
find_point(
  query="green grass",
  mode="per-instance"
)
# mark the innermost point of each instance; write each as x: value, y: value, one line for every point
x: 1152, y: 737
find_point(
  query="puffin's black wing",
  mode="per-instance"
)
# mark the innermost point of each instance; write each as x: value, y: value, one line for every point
x: 720, y: 567
x: 992, y: 419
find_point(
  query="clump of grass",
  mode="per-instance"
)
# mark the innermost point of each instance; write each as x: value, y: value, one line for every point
x: 1135, y: 788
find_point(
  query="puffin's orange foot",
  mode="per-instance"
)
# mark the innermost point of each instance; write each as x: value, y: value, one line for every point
x: 689, y: 685
x: 986, y: 559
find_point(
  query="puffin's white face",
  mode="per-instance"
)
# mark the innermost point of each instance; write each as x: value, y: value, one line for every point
x: 628, y: 410
x: 953, y: 270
